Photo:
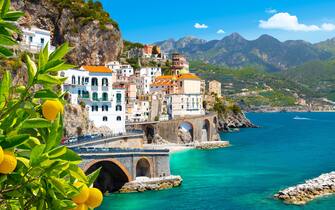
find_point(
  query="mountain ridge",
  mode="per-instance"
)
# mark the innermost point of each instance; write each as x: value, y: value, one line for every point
x: 235, y: 51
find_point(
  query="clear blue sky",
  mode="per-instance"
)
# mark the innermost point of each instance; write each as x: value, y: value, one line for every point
x: 149, y: 21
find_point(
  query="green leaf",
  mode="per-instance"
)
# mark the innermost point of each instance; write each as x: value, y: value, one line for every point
x: 70, y: 156
x: 6, y: 40
x: 45, y: 78
x: 5, y: 7
x: 45, y: 93
x: 36, y: 123
x: 58, y: 151
x: 4, y: 52
x: 43, y: 56
x: 14, y: 141
x: 32, y: 69
x: 54, y: 139
x: 60, y: 52
x: 36, y: 155
x: 93, y: 176
x: 23, y: 160
x: 58, y: 184
x: 61, y: 67
x: 5, y: 86
x: 77, y: 173
x: 51, y: 64
x: 13, y: 15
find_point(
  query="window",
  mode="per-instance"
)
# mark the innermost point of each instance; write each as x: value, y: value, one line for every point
x: 95, y: 108
x: 94, y: 81
x: 73, y: 80
x: 181, y: 83
x: 79, y: 92
x: 42, y: 41
x: 118, y: 108
x: 95, y: 96
x: 87, y: 80
x: 30, y: 39
x: 82, y: 80
x: 62, y: 74
x: 104, y: 119
x: 78, y: 80
x: 104, y: 82
x: 104, y: 108
x: 118, y: 97
x: 118, y: 118
x: 104, y: 96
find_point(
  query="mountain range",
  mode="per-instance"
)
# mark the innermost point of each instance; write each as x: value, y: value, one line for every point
x: 266, y: 52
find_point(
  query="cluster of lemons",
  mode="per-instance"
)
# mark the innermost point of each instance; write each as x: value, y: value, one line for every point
x: 88, y: 197
x: 7, y: 162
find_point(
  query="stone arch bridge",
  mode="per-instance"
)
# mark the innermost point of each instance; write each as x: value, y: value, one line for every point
x: 119, y: 166
x: 201, y: 128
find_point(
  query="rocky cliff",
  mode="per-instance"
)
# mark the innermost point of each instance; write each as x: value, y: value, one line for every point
x: 96, y: 40
x: 231, y: 120
x: 76, y: 122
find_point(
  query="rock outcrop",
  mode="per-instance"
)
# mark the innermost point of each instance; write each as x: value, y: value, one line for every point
x: 233, y: 120
x: 212, y: 145
x: 92, y: 44
x: 184, y: 136
x: 145, y: 184
x: 76, y: 122
x: 311, y: 189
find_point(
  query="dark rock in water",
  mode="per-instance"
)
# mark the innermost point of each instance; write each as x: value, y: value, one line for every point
x: 233, y: 120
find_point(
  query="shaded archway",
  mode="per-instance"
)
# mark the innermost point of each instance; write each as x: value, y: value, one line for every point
x: 205, y: 130
x: 143, y: 168
x: 113, y: 175
x: 185, y: 132
x: 149, y: 132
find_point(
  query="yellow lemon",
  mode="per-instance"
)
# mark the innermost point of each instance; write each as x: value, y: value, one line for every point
x: 95, y: 198
x: 1, y: 155
x: 83, y: 195
x: 81, y: 207
x: 8, y: 163
x: 51, y: 108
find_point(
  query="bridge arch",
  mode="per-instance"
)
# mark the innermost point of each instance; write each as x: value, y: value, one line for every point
x: 113, y: 174
x: 149, y: 132
x: 144, y: 167
x: 206, y: 130
x: 186, y: 132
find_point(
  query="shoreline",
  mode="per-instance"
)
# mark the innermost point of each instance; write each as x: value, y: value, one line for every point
x: 175, y: 148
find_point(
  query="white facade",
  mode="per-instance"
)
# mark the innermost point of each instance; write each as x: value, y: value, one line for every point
x: 138, y: 111
x: 146, y: 78
x: 34, y: 39
x: 181, y: 105
x: 105, y: 104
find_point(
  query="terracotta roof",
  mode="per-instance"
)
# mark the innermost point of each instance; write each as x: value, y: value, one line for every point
x: 189, y: 76
x: 97, y: 69
x: 164, y: 77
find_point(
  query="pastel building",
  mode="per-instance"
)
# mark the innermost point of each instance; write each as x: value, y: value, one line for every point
x: 179, y: 62
x: 145, y: 78
x: 183, y: 94
x: 214, y: 87
x: 93, y: 87
x: 34, y: 39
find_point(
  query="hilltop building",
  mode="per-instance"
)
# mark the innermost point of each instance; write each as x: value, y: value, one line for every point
x: 93, y: 86
x: 34, y: 39
x: 214, y: 87
x: 179, y: 63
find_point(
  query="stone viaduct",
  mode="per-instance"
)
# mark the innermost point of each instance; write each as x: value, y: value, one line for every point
x: 119, y: 166
x: 203, y: 128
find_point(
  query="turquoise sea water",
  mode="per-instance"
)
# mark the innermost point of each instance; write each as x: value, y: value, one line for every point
x: 284, y: 152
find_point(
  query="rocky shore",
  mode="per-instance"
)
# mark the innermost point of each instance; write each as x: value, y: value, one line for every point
x: 212, y: 145
x: 311, y: 189
x: 142, y: 184
x: 233, y: 120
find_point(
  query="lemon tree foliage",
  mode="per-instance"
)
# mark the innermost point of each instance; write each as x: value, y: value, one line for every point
x: 36, y: 171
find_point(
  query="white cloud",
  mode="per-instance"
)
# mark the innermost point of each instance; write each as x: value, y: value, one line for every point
x: 220, y: 31
x: 328, y: 27
x: 288, y: 22
x: 271, y: 11
x: 200, y: 26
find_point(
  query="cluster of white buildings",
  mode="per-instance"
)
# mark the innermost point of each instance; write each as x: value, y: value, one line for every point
x: 116, y: 93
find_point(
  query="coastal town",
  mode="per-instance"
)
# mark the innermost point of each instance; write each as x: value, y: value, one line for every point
x: 139, y: 114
